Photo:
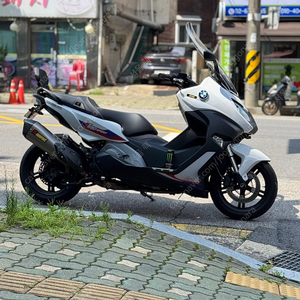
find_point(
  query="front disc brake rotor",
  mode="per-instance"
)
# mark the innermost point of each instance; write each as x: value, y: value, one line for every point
x: 246, y: 191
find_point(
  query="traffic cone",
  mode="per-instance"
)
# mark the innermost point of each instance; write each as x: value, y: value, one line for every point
x: 21, y: 94
x: 12, y: 97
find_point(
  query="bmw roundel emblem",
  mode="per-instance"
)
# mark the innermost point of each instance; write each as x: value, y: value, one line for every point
x: 203, y: 95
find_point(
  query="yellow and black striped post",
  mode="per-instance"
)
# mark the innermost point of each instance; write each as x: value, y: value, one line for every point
x: 252, y: 66
x: 252, y: 74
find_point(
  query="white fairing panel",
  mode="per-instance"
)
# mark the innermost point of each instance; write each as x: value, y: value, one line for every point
x: 217, y: 99
x: 250, y: 157
x: 90, y: 128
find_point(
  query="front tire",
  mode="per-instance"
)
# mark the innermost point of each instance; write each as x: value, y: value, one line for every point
x: 248, y: 200
x: 269, y: 107
x: 46, y: 179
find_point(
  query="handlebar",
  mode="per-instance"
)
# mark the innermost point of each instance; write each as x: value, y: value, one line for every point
x: 181, y: 80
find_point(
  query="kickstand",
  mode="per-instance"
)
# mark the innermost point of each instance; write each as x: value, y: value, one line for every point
x: 145, y: 194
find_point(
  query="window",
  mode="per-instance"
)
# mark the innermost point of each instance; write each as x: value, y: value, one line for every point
x: 8, y: 37
x: 181, y: 35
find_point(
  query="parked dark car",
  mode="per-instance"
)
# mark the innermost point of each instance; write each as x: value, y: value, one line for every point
x: 167, y: 60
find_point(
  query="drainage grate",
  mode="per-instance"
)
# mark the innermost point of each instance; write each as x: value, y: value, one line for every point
x: 288, y: 260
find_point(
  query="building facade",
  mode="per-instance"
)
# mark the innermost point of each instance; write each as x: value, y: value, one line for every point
x: 279, y: 45
x: 107, y: 36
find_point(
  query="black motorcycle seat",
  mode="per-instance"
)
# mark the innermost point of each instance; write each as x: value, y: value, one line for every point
x: 133, y: 124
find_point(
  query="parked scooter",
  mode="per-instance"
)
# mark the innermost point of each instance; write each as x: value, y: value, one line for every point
x: 123, y: 151
x: 277, y: 96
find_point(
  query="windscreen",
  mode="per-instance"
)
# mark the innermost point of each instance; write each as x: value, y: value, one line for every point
x: 217, y: 72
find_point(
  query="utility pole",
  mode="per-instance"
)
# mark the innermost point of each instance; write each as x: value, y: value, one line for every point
x: 252, y: 75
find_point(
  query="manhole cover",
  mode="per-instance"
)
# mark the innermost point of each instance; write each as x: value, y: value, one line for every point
x: 288, y: 260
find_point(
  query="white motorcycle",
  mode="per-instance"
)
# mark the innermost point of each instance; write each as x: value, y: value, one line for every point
x: 123, y: 151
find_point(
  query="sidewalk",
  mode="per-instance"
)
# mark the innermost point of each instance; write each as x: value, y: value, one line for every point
x: 138, y: 96
x: 131, y: 262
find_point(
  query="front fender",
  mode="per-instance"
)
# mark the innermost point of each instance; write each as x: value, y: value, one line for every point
x: 249, y: 156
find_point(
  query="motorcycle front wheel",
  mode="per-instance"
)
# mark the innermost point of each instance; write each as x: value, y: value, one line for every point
x: 269, y: 107
x: 247, y: 200
x: 46, y: 179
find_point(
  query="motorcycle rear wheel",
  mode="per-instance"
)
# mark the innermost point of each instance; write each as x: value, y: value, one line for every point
x: 269, y: 107
x: 46, y: 179
x: 251, y: 200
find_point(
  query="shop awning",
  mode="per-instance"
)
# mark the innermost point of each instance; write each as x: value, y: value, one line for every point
x: 286, y: 32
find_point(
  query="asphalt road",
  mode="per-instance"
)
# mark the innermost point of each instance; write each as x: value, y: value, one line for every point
x: 271, y: 234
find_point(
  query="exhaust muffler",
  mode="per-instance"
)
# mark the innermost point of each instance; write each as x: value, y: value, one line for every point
x: 40, y: 136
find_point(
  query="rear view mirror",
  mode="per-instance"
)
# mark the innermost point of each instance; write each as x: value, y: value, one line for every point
x: 41, y: 78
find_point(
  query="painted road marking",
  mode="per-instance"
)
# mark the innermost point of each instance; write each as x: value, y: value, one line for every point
x: 12, y: 120
x: 213, y: 230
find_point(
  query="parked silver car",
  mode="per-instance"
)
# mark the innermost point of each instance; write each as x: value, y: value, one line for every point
x: 167, y: 60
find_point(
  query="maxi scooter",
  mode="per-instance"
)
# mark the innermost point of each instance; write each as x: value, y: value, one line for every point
x: 276, y: 99
x: 123, y: 151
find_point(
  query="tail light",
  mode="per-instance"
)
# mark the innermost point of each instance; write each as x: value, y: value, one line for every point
x: 146, y: 59
x: 180, y: 60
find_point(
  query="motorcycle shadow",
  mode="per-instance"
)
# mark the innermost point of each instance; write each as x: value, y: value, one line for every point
x: 162, y: 208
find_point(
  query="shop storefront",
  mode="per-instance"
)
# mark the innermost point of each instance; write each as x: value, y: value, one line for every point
x: 280, y: 48
x: 54, y: 35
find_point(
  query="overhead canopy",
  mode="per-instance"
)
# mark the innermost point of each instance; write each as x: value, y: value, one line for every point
x: 287, y: 31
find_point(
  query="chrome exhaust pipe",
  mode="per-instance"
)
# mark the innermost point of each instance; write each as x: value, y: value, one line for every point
x: 40, y: 136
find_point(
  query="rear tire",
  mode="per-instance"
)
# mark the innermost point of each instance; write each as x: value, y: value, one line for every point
x: 46, y: 179
x: 269, y: 107
x: 250, y: 201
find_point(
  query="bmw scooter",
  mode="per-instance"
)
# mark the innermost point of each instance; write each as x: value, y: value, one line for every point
x: 122, y: 151
x: 277, y: 96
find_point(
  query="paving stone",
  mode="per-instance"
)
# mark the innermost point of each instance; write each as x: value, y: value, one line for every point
x: 46, y: 237
x: 209, y: 284
x: 87, y: 279
x: 224, y: 296
x: 25, y: 249
x: 128, y: 263
x: 114, y: 278
x: 65, y: 274
x: 68, y: 252
x: 170, y: 269
x: 199, y: 295
x: 153, y: 234
x: 54, y: 287
x: 48, y: 255
x: 4, y: 249
x: 9, y: 244
x: 126, y: 252
x: 179, y: 256
x: 88, y: 249
x: 160, y: 293
x: 52, y: 247
x: 111, y: 256
x: 65, y: 264
x: 124, y: 243
x: 160, y: 247
x: 18, y: 282
x: 28, y: 241
x: 197, y: 264
x: 184, y: 286
x: 189, y: 277
x: 47, y: 268
x: 158, y: 284
x: 132, y: 284
x: 94, y: 271
x: 101, y: 244
x: 146, y: 270
x: 123, y: 274
x: 28, y: 271
x: 30, y: 262
x: 158, y: 256
x: 179, y: 292
x: 85, y: 258
x: 141, y: 296
x: 171, y: 240
x: 6, y: 263
x: 141, y: 250
x: 92, y: 292
x: 6, y: 295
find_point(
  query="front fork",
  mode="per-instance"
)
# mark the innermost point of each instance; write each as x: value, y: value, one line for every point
x: 249, y: 158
